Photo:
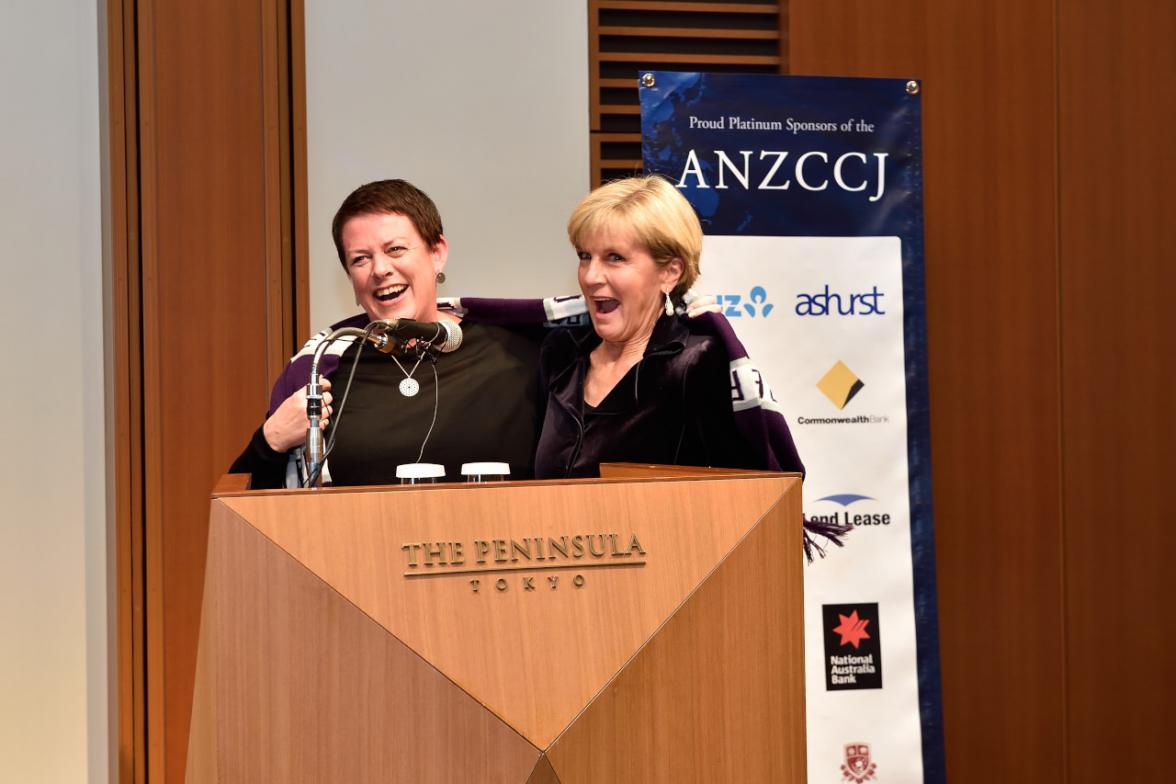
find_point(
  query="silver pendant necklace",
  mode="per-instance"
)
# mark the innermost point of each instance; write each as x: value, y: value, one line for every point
x: 409, y: 386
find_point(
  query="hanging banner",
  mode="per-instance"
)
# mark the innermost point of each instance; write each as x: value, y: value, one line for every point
x: 810, y: 194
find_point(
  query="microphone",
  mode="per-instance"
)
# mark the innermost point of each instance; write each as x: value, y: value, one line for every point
x: 444, y: 335
x: 315, y: 451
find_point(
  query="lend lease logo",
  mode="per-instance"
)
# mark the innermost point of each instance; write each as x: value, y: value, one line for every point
x: 847, y: 517
x: 756, y: 304
x: 832, y: 303
x: 853, y: 646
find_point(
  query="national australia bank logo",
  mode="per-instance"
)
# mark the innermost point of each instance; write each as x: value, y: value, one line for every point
x: 840, y: 385
x: 853, y: 646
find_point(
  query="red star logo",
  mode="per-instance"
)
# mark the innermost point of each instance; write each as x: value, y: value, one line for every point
x: 852, y: 629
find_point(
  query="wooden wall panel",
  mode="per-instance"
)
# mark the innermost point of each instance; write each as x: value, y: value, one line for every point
x: 1118, y: 108
x: 124, y: 390
x: 216, y: 171
x: 990, y: 186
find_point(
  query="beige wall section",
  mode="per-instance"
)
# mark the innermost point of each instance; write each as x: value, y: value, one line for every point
x: 482, y: 105
x: 53, y: 656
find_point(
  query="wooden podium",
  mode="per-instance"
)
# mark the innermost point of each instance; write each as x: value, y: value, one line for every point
x: 644, y: 627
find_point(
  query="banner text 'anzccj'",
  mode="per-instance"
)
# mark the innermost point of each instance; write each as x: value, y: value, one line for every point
x: 776, y: 170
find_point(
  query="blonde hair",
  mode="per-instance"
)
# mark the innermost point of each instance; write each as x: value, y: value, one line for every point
x: 658, y: 217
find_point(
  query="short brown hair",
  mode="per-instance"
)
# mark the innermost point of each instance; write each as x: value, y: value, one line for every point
x: 389, y: 197
x: 659, y: 217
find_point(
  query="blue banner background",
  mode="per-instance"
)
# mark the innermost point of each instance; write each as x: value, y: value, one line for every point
x: 896, y: 116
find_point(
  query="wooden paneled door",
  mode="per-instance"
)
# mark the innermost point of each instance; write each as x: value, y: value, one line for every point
x: 206, y: 136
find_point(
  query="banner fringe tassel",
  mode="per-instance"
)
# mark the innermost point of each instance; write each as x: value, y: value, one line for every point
x: 831, y: 531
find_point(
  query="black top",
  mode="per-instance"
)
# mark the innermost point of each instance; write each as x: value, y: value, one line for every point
x: 488, y: 409
x: 673, y: 407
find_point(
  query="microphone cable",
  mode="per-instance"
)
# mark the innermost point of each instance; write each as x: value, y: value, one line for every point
x: 436, y: 405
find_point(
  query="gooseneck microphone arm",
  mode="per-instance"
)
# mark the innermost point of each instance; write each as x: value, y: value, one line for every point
x: 315, y: 446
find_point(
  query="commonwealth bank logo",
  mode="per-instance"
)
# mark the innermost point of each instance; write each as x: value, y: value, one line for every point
x: 840, y: 385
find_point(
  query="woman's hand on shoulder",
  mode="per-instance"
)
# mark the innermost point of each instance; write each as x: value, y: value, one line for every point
x: 286, y: 427
x: 702, y: 303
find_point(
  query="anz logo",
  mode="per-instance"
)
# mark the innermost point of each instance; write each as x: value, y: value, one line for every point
x: 754, y: 305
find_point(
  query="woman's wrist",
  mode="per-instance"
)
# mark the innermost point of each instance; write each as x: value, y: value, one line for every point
x: 270, y: 437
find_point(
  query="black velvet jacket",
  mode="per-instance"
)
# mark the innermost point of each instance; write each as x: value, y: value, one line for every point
x: 672, y: 407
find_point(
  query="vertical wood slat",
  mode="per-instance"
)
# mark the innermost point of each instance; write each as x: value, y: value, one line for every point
x: 990, y: 189
x: 133, y: 379
x: 296, y: 21
x: 123, y: 414
x: 276, y: 181
x: 208, y: 267
x: 782, y: 32
x: 149, y: 383
x: 1117, y: 109
x: 594, y: 76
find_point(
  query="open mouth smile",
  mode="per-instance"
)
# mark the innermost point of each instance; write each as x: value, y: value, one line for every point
x: 605, y: 305
x: 390, y: 293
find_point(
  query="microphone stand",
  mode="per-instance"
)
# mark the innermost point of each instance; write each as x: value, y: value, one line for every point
x: 375, y: 333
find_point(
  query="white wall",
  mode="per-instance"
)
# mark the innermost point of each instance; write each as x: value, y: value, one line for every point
x: 53, y: 579
x: 484, y: 106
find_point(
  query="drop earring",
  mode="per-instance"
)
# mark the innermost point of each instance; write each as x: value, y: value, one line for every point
x: 669, y: 305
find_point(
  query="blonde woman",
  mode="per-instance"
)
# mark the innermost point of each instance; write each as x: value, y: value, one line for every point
x: 642, y: 384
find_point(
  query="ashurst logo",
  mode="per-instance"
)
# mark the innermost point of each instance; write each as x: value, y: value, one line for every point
x: 486, y: 559
x: 831, y: 303
x: 846, y: 516
x: 853, y: 646
x: 772, y: 170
